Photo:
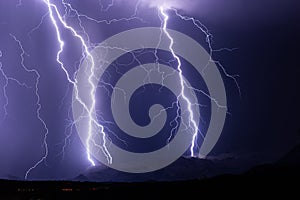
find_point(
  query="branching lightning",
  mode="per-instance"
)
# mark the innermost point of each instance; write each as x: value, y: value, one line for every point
x: 86, y: 44
x: 93, y: 124
x: 184, y: 86
x: 39, y: 106
x: 199, y: 25
x: 192, y: 122
x: 7, y: 79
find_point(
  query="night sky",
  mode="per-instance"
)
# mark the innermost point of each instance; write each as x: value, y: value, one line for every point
x: 263, y: 120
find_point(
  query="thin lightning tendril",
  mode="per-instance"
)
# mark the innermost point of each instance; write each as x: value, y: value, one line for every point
x: 39, y: 106
x: 199, y: 25
x: 7, y: 79
x: 4, y: 88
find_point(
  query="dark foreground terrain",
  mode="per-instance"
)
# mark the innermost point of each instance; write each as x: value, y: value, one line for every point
x: 280, y: 178
x: 267, y: 180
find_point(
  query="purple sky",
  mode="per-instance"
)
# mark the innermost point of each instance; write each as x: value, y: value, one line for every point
x: 264, y: 120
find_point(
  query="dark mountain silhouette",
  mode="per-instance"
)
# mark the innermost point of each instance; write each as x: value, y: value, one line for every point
x: 269, y: 179
x: 182, y: 169
x: 292, y: 158
x: 287, y: 167
x: 12, y: 177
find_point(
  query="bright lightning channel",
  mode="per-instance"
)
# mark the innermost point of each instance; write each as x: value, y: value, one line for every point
x: 183, y: 84
x: 58, y: 19
x: 52, y: 9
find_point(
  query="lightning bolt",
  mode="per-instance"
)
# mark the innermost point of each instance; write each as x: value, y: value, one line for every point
x: 200, y: 26
x: 39, y: 106
x: 56, y: 17
x: 7, y: 79
x: 183, y: 84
